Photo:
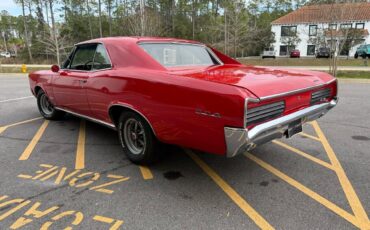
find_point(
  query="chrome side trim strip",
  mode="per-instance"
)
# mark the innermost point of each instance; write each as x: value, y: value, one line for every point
x: 296, y: 91
x: 142, y: 115
x: 88, y: 118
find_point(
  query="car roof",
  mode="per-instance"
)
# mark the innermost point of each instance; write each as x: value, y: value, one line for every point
x: 137, y: 39
x: 125, y: 51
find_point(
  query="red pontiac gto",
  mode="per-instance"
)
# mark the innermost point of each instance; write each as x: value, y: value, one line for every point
x: 164, y: 90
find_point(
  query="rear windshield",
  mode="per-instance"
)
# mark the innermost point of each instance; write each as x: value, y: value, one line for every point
x: 176, y: 54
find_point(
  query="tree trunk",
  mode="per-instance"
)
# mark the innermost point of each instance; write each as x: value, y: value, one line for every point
x: 55, y: 36
x: 89, y: 18
x: 225, y: 31
x: 26, y: 33
x: 100, y: 27
x: 193, y: 18
x: 110, y: 16
x: 142, y: 17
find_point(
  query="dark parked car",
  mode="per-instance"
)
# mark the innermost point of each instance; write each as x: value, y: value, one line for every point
x: 323, y: 52
x: 295, y: 53
x: 363, y: 51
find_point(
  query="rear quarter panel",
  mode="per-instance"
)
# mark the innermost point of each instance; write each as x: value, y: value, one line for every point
x: 170, y: 103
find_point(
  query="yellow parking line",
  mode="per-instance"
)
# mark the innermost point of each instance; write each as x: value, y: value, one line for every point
x: 328, y: 204
x: 233, y: 195
x: 80, y: 153
x: 146, y: 172
x: 309, y: 136
x: 305, y: 155
x: 351, y: 195
x: 27, y: 152
x: 3, y: 128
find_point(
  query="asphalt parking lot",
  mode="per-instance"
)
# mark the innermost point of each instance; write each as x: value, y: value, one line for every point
x: 72, y: 173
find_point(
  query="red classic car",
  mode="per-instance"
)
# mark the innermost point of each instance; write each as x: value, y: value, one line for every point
x: 164, y: 90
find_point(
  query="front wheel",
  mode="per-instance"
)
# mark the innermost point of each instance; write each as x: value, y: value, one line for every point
x: 46, y: 108
x: 137, y: 139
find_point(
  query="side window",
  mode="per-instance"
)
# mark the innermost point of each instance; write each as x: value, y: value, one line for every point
x: 83, y: 58
x: 101, y: 59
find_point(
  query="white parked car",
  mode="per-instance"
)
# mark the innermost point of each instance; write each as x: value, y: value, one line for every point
x: 5, y: 54
x: 268, y: 53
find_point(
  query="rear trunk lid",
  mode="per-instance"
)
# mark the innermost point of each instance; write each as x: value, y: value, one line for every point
x: 261, y: 81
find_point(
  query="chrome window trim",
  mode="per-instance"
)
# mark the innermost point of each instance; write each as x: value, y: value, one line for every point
x: 90, y: 71
x: 112, y: 126
x: 183, y: 43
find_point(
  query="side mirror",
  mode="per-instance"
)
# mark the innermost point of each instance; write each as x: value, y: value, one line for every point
x: 55, y: 68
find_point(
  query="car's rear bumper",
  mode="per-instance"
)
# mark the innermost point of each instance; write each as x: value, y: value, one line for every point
x: 239, y: 140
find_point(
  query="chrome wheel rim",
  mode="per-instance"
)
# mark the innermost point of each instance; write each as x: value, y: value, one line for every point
x: 46, y: 105
x: 134, y: 135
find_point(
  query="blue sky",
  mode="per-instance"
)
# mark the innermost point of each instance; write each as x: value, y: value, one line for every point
x: 11, y: 7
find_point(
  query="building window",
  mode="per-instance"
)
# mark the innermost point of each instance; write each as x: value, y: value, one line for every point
x: 287, y: 31
x: 346, y: 26
x: 313, y: 30
x: 360, y: 25
x: 310, y: 50
x: 283, y: 51
x: 333, y: 26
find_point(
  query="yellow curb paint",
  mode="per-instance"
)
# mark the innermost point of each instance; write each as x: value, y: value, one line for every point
x: 349, y: 191
x: 325, y: 202
x: 303, y: 154
x: 233, y: 195
x: 80, y: 153
x: 146, y: 172
x: 28, y: 151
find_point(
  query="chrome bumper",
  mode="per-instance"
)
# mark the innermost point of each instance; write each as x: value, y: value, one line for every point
x: 239, y: 140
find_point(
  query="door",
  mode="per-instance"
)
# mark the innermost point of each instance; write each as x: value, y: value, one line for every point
x: 69, y: 87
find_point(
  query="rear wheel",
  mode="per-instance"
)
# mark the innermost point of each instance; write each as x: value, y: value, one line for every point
x: 46, y: 108
x: 137, y: 139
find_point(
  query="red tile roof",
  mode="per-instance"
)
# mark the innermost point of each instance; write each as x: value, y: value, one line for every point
x: 327, y: 13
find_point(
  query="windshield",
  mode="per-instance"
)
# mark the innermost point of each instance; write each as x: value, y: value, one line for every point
x: 176, y: 54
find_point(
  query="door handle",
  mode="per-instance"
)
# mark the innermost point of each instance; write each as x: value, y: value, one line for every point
x: 82, y: 83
